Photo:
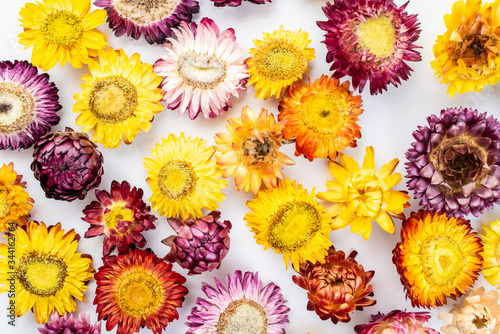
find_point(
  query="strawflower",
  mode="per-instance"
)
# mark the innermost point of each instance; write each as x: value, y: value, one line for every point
x: 70, y: 325
x: 490, y: 254
x: 397, y: 322
x: 236, y: 3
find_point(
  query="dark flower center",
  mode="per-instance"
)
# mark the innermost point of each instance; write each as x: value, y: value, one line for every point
x: 473, y: 46
x: 460, y: 163
x: 480, y: 322
x: 259, y: 151
x: 340, y: 278
x: 5, y: 107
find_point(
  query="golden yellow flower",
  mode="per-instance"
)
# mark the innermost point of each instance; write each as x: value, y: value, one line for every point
x: 119, y: 98
x: 15, y: 202
x: 362, y: 195
x: 467, y: 56
x: 250, y: 150
x: 289, y: 220
x: 321, y: 117
x: 49, y: 273
x: 184, y: 178
x: 278, y: 60
x: 491, y: 253
x: 61, y: 31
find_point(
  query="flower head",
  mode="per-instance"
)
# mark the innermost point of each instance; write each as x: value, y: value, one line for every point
x: 119, y: 98
x: 397, y: 322
x: 290, y: 221
x: 154, y: 20
x: 202, y: 69
x: 478, y: 314
x: 138, y: 290
x: 363, y: 195
x: 61, y: 31
x: 244, y: 306
x: 67, y: 325
x: 370, y: 41
x: 437, y: 257
x: 67, y: 164
x: 250, y: 151
x: 28, y: 104
x: 454, y: 164
x: 121, y: 215
x: 337, y: 287
x: 49, y: 273
x: 201, y: 244
x: 321, y: 117
x: 278, y: 60
x: 491, y: 255
x: 467, y: 56
x: 183, y: 178
x: 236, y: 3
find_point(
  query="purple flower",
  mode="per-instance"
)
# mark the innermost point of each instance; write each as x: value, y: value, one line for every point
x: 397, y: 322
x: 70, y: 325
x: 236, y: 3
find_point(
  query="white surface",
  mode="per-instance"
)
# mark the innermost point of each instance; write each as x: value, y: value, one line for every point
x: 387, y: 124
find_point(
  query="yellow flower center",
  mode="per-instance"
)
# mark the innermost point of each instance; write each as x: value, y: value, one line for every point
x: 243, y: 316
x: 293, y: 225
x: 5, y: 204
x: 323, y: 113
x: 17, y: 108
x: 201, y: 70
x: 139, y: 293
x: 255, y: 152
x: 365, y: 195
x: 144, y: 12
x: 112, y: 99
x: 442, y: 260
x: 377, y: 35
x: 117, y: 213
x: 41, y: 274
x: 278, y: 60
x: 62, y: 27
x: 177, y: 179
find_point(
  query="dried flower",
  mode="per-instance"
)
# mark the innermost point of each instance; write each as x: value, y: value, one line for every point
x: 397, y: 322
x: 70, y: 325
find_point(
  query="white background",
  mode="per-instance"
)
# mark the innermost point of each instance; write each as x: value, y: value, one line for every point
x: 387, y: 124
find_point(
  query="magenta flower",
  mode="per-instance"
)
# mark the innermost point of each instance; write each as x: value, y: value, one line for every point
x: 397, y: 322
x: 69, y: 325
x: 236, y: 3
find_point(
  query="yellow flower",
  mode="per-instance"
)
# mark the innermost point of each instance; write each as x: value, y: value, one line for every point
x: 363, y: 195
x: 49, y: 273
x: 290, y: 220
x: 491, y: 253
x: 183, y: 177
x: 467, y: 56
x: 250, y: 150
x: 278, y: 60
x: 61, y: 31
x: 321, y: 117
x: 15, y: 202
x: 119, y: 98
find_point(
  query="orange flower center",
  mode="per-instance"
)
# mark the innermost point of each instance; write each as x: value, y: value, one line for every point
x: 177, y: 179
x: 41, y: 274
x: 17, y: 108
x: 143, y: 12
x: 243, y: 316
x: 62, y: 27
x: 201, y: 70
x: 377, y: 35
x: 263, y: 150
x: 139, y: 293
x: 323, y: 113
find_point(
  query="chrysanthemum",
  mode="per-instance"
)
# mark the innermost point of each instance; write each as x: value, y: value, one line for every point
x: 278, y: 60
x: 437, y: 257
x: 337, y: 287
x: 491, y: 254
x: 397, y: 322
x: 290, y: 221
x: 153, y: 19
x: 61, y: 31
x: 244, y: 307
x: 121, y: 215
x: 321, y: 117
x: 201, y: 69
x: 362, y: 195
x: 15, y: 202
x: 236, y: 3
x: 48, y: 272
x: 250, y: 151
x: 183, y: 178
x: 454, y: 164
x: 467, y: 56
x: 138, y: 290
x: 28, y: 104
x: 478, y: 314
x: 70, y: 325
x: 119, y: 98
x: 370, y: 41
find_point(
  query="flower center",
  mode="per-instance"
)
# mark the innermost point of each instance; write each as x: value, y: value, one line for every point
x: 139, y: 293
x: 112, y: 99
x: 201, y: 70
x: 5, y: 204
x: 17, y: 108
x: 41, y: 274
x: 144, y: 12
x: 480, y: 321
x: 293, y: 225
x: 255, y: 151
x: 365, y: 195
x: 340, y: 278
x: 243, y: 316
x: 177, y: 179
x: 279, y: 59
x: 323, y: 113
x: 62, y: 27
x: 117, y: 212
x: 377, y: 35
x: 442, y: 259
